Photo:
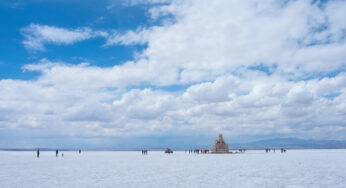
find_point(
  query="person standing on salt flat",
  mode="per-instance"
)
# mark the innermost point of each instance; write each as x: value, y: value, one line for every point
x: 38, y: 152
x: 56, y: 153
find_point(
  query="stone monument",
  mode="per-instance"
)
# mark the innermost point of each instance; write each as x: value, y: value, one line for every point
x: 220, y: 146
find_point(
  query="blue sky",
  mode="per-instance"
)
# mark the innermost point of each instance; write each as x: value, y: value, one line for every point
x: 99, y: 73
x: 66, y: 14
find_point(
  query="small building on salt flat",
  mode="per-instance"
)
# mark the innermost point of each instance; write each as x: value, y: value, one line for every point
x: 220, y: 146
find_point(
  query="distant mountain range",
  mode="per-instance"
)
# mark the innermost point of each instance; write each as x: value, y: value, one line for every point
x: 185, y: 143
x: 291, y: 143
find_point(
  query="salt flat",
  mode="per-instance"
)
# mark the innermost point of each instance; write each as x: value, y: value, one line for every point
x: 296, y: 168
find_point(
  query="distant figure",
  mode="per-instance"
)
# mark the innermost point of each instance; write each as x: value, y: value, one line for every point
x: 56, y: 153
x: 62, y: 154
x: 168, y: 150
x: 38, y: 153
x: 80, y: 151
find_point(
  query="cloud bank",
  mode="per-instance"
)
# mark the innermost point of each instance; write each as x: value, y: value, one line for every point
x: 239, y: 67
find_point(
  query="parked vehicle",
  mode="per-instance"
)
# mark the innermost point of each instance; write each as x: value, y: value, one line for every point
x: 168, y: 150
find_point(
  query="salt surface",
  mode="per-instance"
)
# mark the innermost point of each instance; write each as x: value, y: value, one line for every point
x: 296, y: 168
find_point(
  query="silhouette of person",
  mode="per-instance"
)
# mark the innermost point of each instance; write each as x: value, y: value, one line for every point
x: 56, y: 153
x: 38, y: 153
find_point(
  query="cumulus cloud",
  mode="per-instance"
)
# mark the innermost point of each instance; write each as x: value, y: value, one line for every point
x: 231, y: 104
x: 249, y: 68
x: 85, y: 76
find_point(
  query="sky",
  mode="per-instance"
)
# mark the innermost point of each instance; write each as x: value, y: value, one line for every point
x: 141, y: 73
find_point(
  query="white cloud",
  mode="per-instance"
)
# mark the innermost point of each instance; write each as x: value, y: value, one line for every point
x: 140, y: 36
x: 86, y: 76
x: 36, y: 36
x: 211, y: 38
x: 217, y: 91
x: 139, y: 2
x: 208, y: 48
x: 232, y: 104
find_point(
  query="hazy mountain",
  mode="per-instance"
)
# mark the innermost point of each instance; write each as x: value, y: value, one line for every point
x: 291, y: 143
x: 193, y: 142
